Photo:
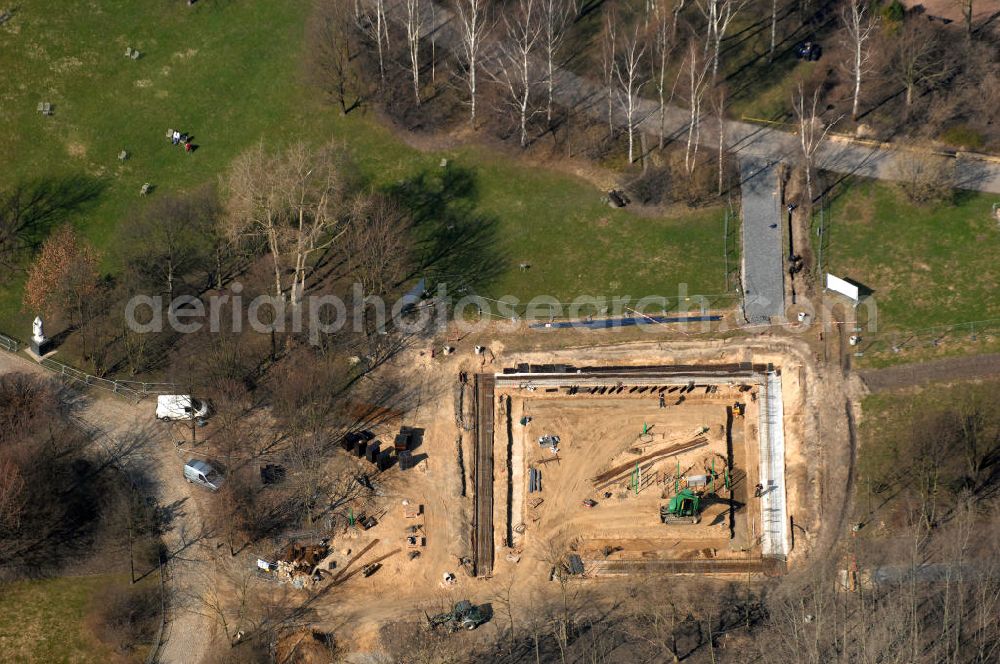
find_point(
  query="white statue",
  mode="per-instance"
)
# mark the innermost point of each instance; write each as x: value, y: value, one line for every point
x: 36, y: 328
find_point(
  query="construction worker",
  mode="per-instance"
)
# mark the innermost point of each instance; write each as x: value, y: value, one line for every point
x: 663, y: 401
x: 758, y: 490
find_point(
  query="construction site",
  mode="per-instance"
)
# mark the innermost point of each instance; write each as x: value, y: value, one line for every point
x: 609, y: 470
x: 582, y: 465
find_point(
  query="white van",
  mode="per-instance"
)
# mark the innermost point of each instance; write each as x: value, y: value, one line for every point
x: 199, y: 472
x: 180, y: 407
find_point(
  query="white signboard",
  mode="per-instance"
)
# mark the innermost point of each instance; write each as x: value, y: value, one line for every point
x: 845, y: 288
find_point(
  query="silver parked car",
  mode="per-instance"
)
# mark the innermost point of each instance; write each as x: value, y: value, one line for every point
x: 199, y: 472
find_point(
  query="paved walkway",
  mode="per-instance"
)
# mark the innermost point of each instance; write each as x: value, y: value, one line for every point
x: 742, y: 138
x: 763, y: 273
x: 188, y: 633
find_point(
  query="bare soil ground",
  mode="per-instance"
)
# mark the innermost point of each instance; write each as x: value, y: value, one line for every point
x: 596, y: 435
x: 981, y: 10
x: 601, y: 433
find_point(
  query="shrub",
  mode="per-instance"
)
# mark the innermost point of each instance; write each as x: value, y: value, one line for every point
x: 893, y: 12
x: 927, y: 178
x: 963, y: 136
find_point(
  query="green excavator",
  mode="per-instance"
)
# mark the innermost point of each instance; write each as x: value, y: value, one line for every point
x: 683, y: 509
x: 464, y: 615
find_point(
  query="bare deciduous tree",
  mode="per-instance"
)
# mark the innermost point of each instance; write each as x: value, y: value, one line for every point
x: 774, y: 29
x: 376, y: 26
x: 917, y: 60
x: 555, y: 15
x: 414, y: 26
x: 378, y: 242
x: 925, y: 178
x: 719, y: 14
x: 719, y: 105
x: 289, y: 202
x: 331, y: 35
x: 697, y: 78
x: 609, y: 52
x: 630, y: 73
x: 472, y: 24
x: 811, y: 132
x: 169, y: 239
x: 966, y: 7
x: 860, y: 26
x: 514, y: 71
x: 664, y: 25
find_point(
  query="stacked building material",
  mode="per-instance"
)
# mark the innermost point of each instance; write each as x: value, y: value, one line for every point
x: 534, y: 480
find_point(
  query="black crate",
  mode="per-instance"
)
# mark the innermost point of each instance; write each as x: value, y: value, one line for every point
x: 385, y: 460
x: 402, y: 441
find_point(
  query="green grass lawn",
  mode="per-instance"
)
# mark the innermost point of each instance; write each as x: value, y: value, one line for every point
x: 927, y: 265
x: 42, y: 621
x: 890, y: 430
x: 231, y: 74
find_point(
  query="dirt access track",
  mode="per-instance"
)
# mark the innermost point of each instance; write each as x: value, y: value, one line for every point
x: 481, y: 416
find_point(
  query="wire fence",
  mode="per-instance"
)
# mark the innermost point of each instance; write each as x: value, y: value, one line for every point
x: 74, y: 375
x: 131, y: 390
x: 9, y: 344
x: 897, y: 341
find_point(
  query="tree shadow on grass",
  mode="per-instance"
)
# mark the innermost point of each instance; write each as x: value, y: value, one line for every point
x: 30, y: 210
x: 455, y: 243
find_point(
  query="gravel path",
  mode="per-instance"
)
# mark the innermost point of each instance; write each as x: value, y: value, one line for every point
x: 763, y: 276
x: 968, y: 367
x: 187, y: 634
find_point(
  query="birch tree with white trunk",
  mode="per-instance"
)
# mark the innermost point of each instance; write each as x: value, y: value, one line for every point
x: 719, y: 106
x: 376, y: 26
x: 719, y: 15
x: 859, y: 26
x: 555, y: 17
x: 472, y: 28
x: 664, y: 24
x: 812, y: 132
x: 774, y: 29
x: 609, y: 52
x: 698, y: 82
x: 522, y: 32
x: 414, y: 26
x: 314, y: 188
x: 631, y: 74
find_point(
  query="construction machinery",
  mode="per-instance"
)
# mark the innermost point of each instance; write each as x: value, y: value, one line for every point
x: 464, y: 615
x: 683, y: 509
